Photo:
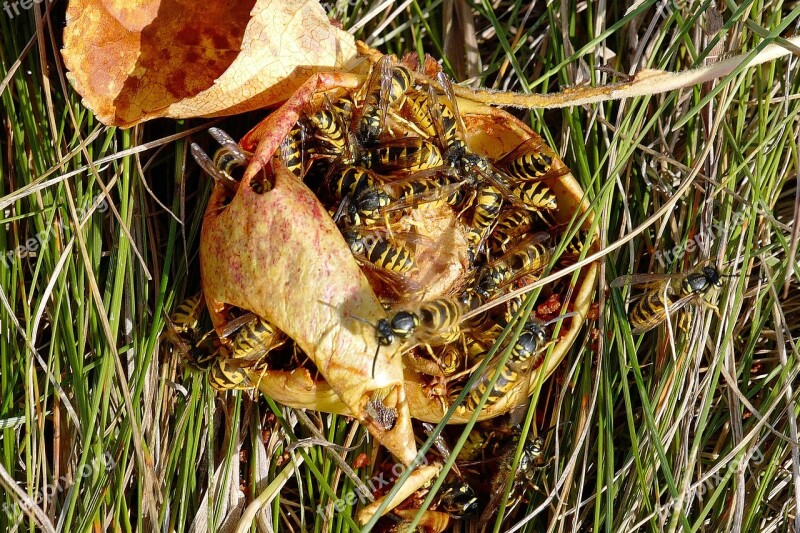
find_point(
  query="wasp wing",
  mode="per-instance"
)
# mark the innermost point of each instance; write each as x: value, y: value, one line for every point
x: 644, y: 281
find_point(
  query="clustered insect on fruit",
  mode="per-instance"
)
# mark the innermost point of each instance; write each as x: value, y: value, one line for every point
x: 392, y: 149
x: 391, y: 162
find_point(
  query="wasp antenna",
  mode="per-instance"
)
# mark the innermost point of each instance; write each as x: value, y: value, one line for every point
x: 375, y: 359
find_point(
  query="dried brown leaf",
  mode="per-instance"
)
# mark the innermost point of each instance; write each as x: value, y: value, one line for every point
x: 175, y: 58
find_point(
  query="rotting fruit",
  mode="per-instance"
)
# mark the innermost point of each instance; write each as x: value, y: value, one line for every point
x: 376, y: 224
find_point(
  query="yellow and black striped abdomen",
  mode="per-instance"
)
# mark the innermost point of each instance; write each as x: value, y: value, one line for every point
x: 438, y: 321
x: 530, y: 166
x: 487, y: 206
x: 389, y: 255
x: 649, y: 311
x: 255, y: 340
x: 405, y: 156
x: 351, y: 182
x: 509, y: 226
x: 529, y: 259
x: 186, y: 317
x: 536, y: 195
x: 419, y: 111
x: 505, y: 382
x: 226, y: 376
x: 331, y: 134
x: 295, y: 151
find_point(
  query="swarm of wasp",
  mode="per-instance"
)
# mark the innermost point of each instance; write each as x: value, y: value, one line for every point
x: 440, y: 230
x: 444, y: 207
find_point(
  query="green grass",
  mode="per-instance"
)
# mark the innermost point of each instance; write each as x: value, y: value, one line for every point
x: 695, y: 430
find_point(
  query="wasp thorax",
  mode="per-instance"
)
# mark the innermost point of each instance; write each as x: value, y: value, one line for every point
x: 404, y: 323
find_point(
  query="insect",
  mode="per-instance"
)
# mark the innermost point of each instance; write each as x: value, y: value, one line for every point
x: 379, y: 249
x: 409, y: 193
x: 226, y: 375
x: 386, y: 86
x: 456, y: 496
x: 530, y: 160
x: 536, y: 195
x: 667, y: 294
x: 184, y: 333
x: 329, y: 126
x: 488, y: 202
x: 350, y: 181
x: 436, y: 321
x: 477, y: 440
x: 432, y: 322
x: 530, y: 461
x: 417, y: 104
x: 186, y: 317
x: 226, y: 159
x: 527, y: 354
x: 490, y: 182
x: 384, y: 417
x: 409, y: 155
x: 527, y: 257
x: 254, y: 341
x: 528, y: 345
x: 510, y: 225
x: 296, y: 150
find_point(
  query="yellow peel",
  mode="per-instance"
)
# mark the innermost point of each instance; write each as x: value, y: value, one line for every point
x: 415, y: 481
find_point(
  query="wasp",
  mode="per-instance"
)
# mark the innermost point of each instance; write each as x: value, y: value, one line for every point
x: 488, y: 202
x: 379, y: 249
x: 184, y: 332
x: 226, y: 159
x: 351, y: 181
x: 491, y: 187
x: 386, y: 86
x: 226, y: 375
x: 526, y: 355
x: 418, y: 106
x: 409, y: 193
x: 528, y: 257
x: 510, y: 225
x: 530, y: 160
x: 535, y: 194
x: 432, y: 322
x: 384, y: 417
x: 186, y: 317
x: 435, y: 321
x: 668, y: 294
x: 254, y: 341
x: 456, y: 497
x: 409, y: 155
x: 531, y: 460
x: 329, y: 124
x: 477, y: 441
